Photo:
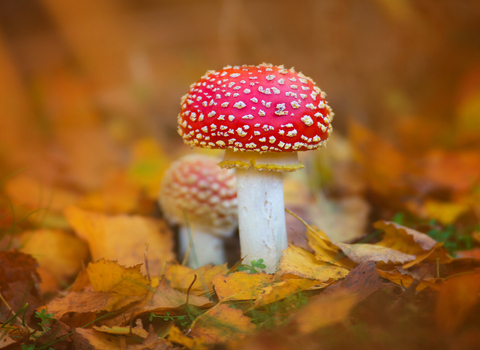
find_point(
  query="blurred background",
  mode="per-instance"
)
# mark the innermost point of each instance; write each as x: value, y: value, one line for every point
x: 90, y: 91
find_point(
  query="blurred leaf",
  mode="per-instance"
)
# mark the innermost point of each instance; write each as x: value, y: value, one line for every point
x: 123, y: 238
x: 147, y: 166
x: 221, y: 324
x: 323, y: 311
x: 59, y: 252
x: 181, y: 277
x: 384, y: 167
x: 445, y: 212
x: 118, y: 195
x: 456, y: 299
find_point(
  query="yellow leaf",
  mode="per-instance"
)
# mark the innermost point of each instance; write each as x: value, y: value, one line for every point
x: 181, y: 277
x: 221, y: 324
x: 445, y: 212
x: 129, y: 331
x: 57, y: 251
x: 241, y: 285
x: 147, y: 166
x: 324, y: 311
x: 123, y: 238
x: 177, y: 336
x: 118, y: 195
x: 281, y: 290
x: 361, y: 253
x: 109, y: 276
x: 302, y: 263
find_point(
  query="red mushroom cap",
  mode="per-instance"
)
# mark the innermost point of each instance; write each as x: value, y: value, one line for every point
x: 206, y: 192
x: 261, y: 108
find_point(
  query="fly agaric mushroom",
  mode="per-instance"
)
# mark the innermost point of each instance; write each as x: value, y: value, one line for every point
x: 262, y: 116
x: 196, y: 187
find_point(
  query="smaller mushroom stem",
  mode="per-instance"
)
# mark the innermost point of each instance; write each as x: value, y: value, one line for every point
x: 261, y: 215
x: 208, y: 248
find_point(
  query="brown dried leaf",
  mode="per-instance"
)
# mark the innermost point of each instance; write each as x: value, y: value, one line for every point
x: 362, y: 253
x: 165, y: 298
x: 79, y: 302
x: 361, y: 282
x: 457, y: 297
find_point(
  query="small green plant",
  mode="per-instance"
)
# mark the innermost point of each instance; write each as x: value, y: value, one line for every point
x: 452, y: 239
x: 183, y: 320
x: 46, y: 320
x: 256, y: 264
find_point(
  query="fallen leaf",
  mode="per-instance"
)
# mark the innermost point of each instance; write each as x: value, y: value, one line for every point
x: 241, y: 285
x: 455, y: 171
x: 445, y: 212
x: 147, y: 166
x: 109, y: 276
x: 300, y: 262
x: 457, y: 297
x: 151, y: 342
x: 79, y: 302
x: 361, y: 282
x: 5, y: 340
x: 128, y: 331
x: 119, y: 195
x: 181, y: 277
x: 406, y: 280
x: 164, y: 298
x: 280, y: 290
x: 325, y: 250
x: 221, y: 324
x: 403, y: 238
x: 323, y: 311
x: 177, y: 336
x: 123, y: 238
x: 362, y: 253
x: 96, y: 340
x: 57, y: 251
x: 385, y: 168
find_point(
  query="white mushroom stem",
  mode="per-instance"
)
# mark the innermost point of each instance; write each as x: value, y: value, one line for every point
x: 261, y: 216
x: 205, y: 248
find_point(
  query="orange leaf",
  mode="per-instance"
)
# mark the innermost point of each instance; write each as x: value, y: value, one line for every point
x: 82, y: 302
x: 456, y: 299
x: 181, y: 277
x: 325, y: 311
x: 221, y: 324
x: 123, y: 238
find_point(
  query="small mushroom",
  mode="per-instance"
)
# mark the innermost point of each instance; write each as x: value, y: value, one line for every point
x: 262, y: 116
x: 194, y: 186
